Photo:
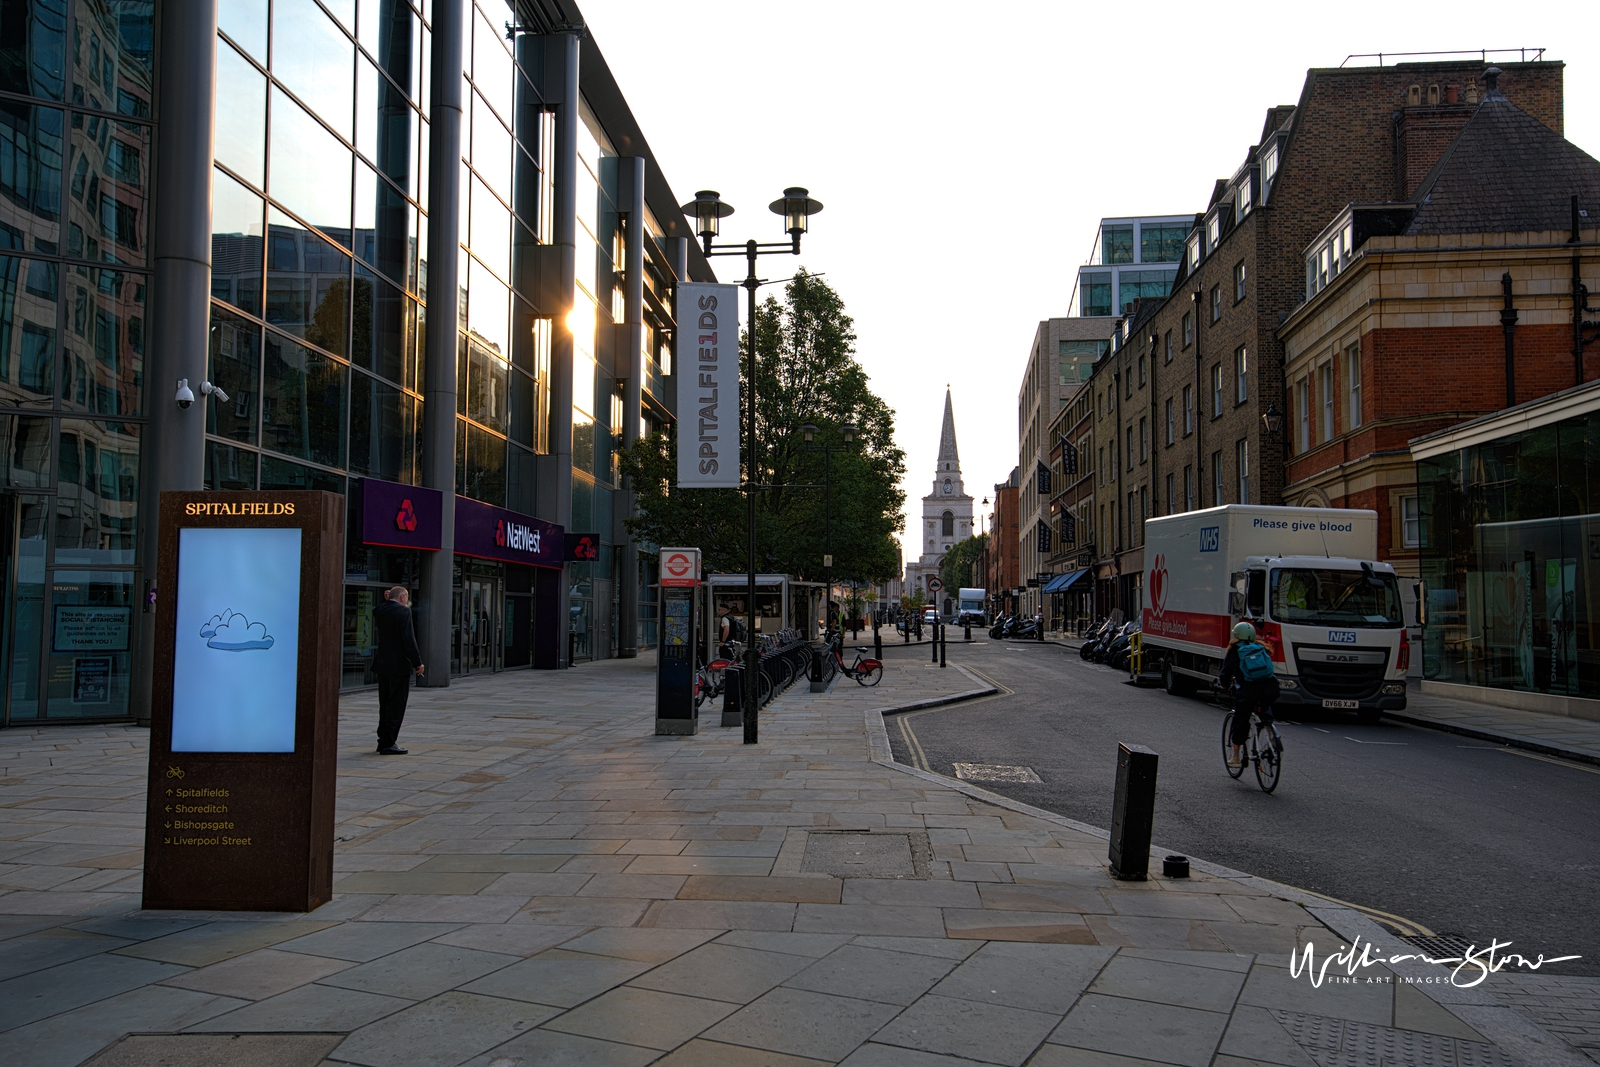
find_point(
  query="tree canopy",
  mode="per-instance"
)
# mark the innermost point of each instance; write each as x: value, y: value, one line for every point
x: 806, y: 373
x: 955, y: 570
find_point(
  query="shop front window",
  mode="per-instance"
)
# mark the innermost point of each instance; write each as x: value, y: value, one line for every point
x: 90, y: 644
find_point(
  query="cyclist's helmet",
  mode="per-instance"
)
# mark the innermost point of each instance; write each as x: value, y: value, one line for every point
x: 1243, y: 631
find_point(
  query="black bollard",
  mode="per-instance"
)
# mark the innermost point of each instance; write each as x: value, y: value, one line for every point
x: 933, y: 648
x: 968, y: 629
x: 1132, y: 812
x: 944, y: 640
x: 877, y: 644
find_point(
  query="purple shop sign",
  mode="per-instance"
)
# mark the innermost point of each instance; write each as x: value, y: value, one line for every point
x: 488, y: 532
x: 400, y: 516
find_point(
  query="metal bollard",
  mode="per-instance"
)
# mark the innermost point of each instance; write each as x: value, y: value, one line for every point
x: 968, y: 629
x: 1132, y: 812
x: 933, y: 648
x: 877, y: 644
x: 944, y: 641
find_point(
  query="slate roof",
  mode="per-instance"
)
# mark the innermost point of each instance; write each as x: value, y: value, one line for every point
x: 1506, y: 172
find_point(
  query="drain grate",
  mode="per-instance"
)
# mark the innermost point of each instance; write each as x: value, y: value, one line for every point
x: 995, y: 772
x: 1345, y: 1043
x: 864, y: 854
x: 1439, y: 946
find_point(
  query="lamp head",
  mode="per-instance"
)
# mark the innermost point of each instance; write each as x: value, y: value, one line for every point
x: 848, y: 432
x: 810, y: 432
x: 707, y: 210
x: 1272, y: 418
x: 796, y: 206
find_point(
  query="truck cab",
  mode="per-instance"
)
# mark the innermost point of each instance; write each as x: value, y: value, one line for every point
x: 1335, y: 628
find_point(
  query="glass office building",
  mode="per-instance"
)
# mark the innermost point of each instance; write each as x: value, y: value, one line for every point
x: 1133, y: 258
x: 322, y: 227
x: 1509, y: 532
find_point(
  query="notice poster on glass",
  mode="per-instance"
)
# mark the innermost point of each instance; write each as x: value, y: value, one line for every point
x: 235, y: 658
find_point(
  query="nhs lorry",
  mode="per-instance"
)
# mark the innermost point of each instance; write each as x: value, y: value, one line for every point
x: 970, y: 607
x: 1306, y: 578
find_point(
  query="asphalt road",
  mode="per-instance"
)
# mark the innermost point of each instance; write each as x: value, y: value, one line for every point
x: 1460, y: 836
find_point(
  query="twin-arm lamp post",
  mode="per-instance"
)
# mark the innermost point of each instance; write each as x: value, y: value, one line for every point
x: 708, y: 210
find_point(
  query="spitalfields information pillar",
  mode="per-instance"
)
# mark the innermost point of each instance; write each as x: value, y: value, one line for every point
x: 244, y: 715
x: 677, y: 709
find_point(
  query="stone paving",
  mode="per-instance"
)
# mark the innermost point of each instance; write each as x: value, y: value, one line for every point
x: 543, y: 881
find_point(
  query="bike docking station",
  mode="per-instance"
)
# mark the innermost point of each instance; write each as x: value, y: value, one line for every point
x: 1132, y: 812
x: 244, y: 717
x: 676, y: 678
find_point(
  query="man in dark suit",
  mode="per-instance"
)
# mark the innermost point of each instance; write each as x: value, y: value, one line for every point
x: 395, y: 661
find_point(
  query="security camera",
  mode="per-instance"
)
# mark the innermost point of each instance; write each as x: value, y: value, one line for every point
x: 184, y: 395
x: 208, y: 389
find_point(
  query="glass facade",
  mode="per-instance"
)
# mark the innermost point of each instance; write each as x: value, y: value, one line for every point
x: 1510, y: 556
x: 75, y: 148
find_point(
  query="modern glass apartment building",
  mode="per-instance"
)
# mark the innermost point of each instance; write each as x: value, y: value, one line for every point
x: 255, y: 195
x: 1132, y: 258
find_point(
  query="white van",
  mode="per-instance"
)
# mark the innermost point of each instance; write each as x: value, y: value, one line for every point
x: 1331, y: 615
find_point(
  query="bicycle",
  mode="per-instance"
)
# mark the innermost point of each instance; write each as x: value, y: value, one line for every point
x: 1263, y: 748
x: 709, y: 681
x: 865, y: 670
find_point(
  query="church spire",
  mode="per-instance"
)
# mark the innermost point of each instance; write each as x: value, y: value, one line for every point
x: 947, y: 437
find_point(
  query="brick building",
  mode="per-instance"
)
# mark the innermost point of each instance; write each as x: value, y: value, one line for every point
x: 1194, y: 375
x: 1000, y: 567
x: 1415, y: 312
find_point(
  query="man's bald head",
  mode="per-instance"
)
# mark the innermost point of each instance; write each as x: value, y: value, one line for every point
x: 399, y: 594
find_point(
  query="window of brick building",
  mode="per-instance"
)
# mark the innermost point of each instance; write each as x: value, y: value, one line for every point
x: 1216, y: 303
x: 1238, y: 281
x: 1188, y: 487
x: 1130, y: 448
x: 1133, y: 524
x: 1216, y: 390
x: 1171, y: 503
x: 1352, y: 382
x: 1302, y: 404
x: 1171, y: 423
x: 1241, y: 455
x: 1169, y: 345
x: 1241, y: 375
x: 1141, y: 372
x: 1188, y: 410
x: 1325, y: 387
x: 1188, y: 329
x: 1144, y: 441
x: 1216, y: 479
x: 1411, y: 521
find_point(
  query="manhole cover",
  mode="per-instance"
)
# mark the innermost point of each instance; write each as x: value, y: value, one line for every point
x: 995, y: 772
x: 861, y: 854
x: 1344, y: 1043
x: 218, y: 1050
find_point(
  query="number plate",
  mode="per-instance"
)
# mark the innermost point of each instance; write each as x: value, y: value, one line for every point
x: 1352, y: 705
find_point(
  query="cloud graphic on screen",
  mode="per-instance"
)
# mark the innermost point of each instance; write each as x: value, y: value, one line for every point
x: 232, y: 632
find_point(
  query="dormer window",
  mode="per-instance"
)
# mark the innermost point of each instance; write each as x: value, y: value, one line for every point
x: 1194, y: 250
x: 1330, y: 255
x: 1269, y: 168
x: 1244, y: 195
x: 1213, y: 231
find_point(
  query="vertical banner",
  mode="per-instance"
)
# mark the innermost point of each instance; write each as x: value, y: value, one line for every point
x: 708, y: 391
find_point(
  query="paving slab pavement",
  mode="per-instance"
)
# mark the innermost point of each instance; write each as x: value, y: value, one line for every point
x: 545, y: 881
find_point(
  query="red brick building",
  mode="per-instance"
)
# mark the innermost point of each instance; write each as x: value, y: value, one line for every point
x: 1001, y: 559
x: 1416, y: 310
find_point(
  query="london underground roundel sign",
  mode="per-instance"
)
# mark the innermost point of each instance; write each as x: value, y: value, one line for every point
x: 680, y: 566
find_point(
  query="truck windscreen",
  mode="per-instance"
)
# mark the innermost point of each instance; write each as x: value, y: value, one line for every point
x: 1335, y: 598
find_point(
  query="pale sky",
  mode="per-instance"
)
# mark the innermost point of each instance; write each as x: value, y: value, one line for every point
x: 966, y: 152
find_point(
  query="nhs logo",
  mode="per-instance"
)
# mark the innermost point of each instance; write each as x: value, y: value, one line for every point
x: 1342, y: 637
x: 1209, y: 538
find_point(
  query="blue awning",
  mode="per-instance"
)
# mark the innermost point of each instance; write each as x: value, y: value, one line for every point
x: 1060, y: 582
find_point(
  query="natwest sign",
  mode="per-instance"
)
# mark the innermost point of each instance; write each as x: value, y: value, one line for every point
x: 488, y: 532
x: 680, y: 567
x: 400, y: 516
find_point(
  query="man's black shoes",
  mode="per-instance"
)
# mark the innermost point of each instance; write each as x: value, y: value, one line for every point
x: 391, y: 750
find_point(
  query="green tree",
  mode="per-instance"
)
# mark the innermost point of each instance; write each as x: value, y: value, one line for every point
x: 806, y: 373
x: 956, y: 568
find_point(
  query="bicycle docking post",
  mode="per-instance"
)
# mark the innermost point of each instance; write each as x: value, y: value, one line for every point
x: 818, y: 680
x: 1132, y: 812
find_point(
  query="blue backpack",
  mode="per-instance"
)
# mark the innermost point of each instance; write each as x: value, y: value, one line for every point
x: 1255, y: 662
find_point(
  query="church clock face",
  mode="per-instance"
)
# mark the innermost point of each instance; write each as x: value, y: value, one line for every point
x: 948, y: 489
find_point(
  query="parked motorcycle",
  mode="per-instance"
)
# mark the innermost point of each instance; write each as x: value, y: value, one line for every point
x: 1092, y: 639
x: 1122, y: 648
x: 998, y: 630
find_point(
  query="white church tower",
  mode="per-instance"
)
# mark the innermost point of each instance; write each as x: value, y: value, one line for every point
x: 946, y: 516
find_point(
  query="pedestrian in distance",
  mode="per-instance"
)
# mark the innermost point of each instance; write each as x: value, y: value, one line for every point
x: 1248, y: 674
x: 396, y: 660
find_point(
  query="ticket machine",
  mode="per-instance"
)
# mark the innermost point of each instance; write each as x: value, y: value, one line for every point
x: 681, y: 636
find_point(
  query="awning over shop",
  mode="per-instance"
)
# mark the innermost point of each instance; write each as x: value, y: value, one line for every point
x: 1061, y: 582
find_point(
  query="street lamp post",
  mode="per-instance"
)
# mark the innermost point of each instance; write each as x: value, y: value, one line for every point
x: 707, y: 209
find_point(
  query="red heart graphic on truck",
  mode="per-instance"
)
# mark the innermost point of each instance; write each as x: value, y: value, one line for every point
x: 1158, y: 585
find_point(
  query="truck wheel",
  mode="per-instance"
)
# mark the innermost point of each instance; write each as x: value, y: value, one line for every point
x: 1175, y: 684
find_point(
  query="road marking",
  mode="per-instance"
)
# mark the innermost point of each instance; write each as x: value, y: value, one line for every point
x: 1407, y: 927
x: 1551, y: 759
x: 1358, y: 741
x: 1320, y: 730
x: 913, y: 746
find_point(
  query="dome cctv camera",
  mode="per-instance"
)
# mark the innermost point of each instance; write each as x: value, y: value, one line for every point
x: 184, y: 395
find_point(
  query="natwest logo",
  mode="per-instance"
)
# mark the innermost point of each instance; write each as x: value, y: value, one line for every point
x: 406, y: 518
x: 515, y: 536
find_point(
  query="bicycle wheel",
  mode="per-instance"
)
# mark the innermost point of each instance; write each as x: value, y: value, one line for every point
x: 870, y: 675
x: 1269, y: 761
x: 1227, y: 745
x: 764, y: 693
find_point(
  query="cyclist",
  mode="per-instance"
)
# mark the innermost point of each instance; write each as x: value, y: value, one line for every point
x: 1247, y: 672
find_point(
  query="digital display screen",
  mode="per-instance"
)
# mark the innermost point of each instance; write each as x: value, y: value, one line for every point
x: 235, y: 660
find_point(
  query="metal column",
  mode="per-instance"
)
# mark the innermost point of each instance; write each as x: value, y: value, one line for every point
x: 439, y: 385
x: 174, y: 442
x: 631, y: 340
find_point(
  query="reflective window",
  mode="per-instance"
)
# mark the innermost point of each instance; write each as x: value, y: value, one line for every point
x: 492, y: 147
x: 236, y: 243
x: 1116, y: 244
x: 281, y: 474
x: 102, y: 369
x: 488, y: 312
x: 245, y: 21
x: 1095, y: 298
x: 310, y: 168
x: 228, y: 467
x: 109, y: 190
x: 1161, y: 244
x: 382, y: 429
x: 490, y: 233
x: 90, y: 680
x: 240, y: 122
x: 25, y: 448
x: 491, y: 65
x: 302, y: 403
x: 385, y: 225
x: 33, y: 47
x: 314, y: 60
x: 235, y: 367
x: 308, y: 285
x: 485, y: 467
x: 486, y: 387
x: 97, y: 492
x: 30, y: 173
x: 29, y: 293
x: 383, y: 325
